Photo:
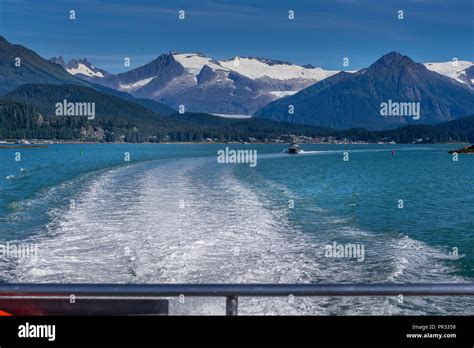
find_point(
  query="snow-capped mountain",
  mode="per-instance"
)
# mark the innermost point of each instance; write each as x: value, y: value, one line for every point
x: 83, y: 67
x: 236, y: 86
x: 276, y: 77
x: 80, y: 67
x: 462, y: 71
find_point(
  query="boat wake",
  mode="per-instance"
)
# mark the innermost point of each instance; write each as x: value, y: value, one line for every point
x: 194, y: 221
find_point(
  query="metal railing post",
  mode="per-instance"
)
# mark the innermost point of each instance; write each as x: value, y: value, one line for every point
x: 232, y: 304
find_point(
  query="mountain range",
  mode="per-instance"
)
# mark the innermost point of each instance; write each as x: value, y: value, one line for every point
x: 249, y: 85
x: 241, y: 85
x: 266, y: 88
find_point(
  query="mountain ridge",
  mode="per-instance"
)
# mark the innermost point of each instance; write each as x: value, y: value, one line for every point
x: 32, y: 68
x: 353, y: 100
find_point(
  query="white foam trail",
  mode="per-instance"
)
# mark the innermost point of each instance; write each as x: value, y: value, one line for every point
x: 128, y: 227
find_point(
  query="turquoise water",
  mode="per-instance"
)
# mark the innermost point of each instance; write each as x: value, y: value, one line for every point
x: 173, y: 214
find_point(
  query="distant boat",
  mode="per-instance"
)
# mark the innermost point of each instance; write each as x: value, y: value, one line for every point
x: 294, y: 148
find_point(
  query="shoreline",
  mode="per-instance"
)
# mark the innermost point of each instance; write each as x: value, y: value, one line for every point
x: 43, y: 145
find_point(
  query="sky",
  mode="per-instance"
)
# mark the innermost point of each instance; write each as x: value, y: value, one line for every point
x: 322, y: 32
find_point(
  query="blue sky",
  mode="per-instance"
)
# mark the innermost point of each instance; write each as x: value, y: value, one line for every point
x: 322, y: 33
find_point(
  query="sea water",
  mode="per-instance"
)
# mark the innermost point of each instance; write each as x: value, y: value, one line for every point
x: 171, y: 213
